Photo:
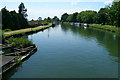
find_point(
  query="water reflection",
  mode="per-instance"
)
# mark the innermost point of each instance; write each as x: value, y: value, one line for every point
x: 11, y: 72
x: 68, y: 51
x: 110, y: 41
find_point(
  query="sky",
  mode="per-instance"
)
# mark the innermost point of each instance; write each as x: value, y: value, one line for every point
x: 51, y: 8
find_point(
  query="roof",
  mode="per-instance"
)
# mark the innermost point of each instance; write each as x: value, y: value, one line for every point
x: 6, y: 59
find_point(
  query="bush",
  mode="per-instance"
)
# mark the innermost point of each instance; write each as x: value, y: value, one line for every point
x: 19, y: 42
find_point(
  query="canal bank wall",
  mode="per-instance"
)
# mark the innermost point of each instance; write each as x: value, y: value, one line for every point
x: 10, y: 60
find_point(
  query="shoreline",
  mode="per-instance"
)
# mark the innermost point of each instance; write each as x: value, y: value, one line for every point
x: 108, y: 28
x: 17, y: 59
x: 26, y: 53
x: 25, y: 31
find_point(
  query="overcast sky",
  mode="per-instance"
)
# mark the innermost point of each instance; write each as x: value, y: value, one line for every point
x: 51, y: 8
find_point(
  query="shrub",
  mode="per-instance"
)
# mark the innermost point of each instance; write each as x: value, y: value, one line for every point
x: 19, y: 42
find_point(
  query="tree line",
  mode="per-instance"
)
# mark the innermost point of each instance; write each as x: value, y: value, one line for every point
x: 13, y: 20
x: 109, y: 15
x: 50, y: 20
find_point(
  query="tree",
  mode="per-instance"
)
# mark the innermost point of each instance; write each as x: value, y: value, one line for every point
x: 87, y: 16
x: 79, y: 17
x: 56, y: 19
x: 103, y: 16
x: 22, y: 10
x: 110, y: 15
x: 40, y: 20
x: 15, y: 20
x: 72, y: 17
x: 114, y: 14
x: 12, y: 20
x: 75, y: 17
x: 6, y: 18
x: 49, y: 20
x: 64, y: 17
x: 22, y: 15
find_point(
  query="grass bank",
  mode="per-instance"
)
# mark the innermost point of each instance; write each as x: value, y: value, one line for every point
x: 25, y: 31
x: 106, y: 28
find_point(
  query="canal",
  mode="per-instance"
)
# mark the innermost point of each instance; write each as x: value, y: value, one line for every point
x: 69, y: 51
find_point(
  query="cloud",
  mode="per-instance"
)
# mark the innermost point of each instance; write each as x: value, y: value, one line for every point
x: 34, y: 13
x: 108, y: 2
x: 75, y: 2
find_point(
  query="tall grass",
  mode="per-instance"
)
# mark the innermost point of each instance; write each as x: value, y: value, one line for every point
x: 19, y: 42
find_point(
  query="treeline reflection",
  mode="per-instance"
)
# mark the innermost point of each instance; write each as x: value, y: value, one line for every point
x: 106, y: 39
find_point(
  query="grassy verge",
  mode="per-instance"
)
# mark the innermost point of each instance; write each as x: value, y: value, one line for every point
x: 25, y: 31
x: 105, y: 27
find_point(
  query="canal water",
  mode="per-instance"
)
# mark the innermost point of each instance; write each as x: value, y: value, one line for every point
x: 71, y: 51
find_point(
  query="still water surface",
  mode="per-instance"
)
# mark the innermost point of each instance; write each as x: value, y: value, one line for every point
x: 68, y: 51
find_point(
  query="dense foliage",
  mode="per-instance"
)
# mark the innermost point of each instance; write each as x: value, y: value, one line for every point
x: 12, y: 20
x: 72, y: 17
x: 19, y: 42
x: 47, y: 20
x: 87, y: 16
x: 50, y: 20
x: 55, y: 19
x: 107, y: 16
x: 64, y: 17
